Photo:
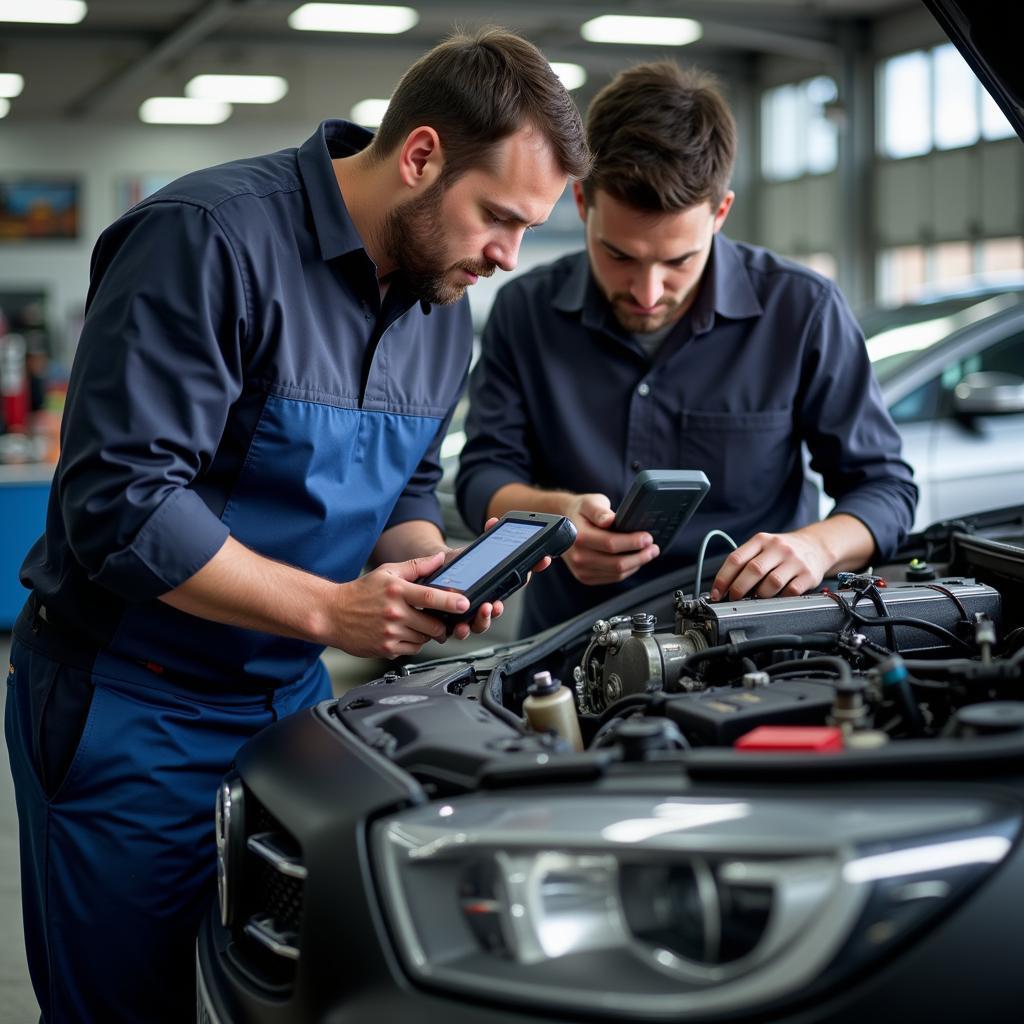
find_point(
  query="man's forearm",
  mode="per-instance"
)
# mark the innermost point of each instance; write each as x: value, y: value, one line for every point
x: 411, y: 539
x: 239, y: 587
x: 529, y: 499
x: 848, y: 542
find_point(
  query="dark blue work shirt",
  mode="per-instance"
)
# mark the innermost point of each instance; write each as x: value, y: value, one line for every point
x: 238, y: 374
x: 769, y: 356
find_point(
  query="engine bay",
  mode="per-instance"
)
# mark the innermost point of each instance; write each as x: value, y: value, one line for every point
x: 928, y: 648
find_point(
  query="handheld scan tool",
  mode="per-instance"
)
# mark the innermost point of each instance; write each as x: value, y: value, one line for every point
x: 498, y: 562
x: 661, y: 501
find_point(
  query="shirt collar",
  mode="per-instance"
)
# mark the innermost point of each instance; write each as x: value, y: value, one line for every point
x: 726, y: 289
x: 331, y: 220
x: 579, y: 293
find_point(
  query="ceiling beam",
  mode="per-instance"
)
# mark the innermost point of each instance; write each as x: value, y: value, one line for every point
x: 204, y: 21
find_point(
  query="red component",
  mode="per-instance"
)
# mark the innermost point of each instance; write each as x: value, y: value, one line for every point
x: 816, y: 739
x: 15, y: 409
x: 880, y: 582
x: 154, y: 667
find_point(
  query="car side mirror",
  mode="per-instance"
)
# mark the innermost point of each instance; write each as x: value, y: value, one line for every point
x: 989, y: 393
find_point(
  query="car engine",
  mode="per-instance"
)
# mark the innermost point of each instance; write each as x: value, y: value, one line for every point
x: 930, y: 647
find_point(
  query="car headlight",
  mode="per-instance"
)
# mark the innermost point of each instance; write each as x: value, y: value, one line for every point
x: 652, y: 908
x: 229, y: 824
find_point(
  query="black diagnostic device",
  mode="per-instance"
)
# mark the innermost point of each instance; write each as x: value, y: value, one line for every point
x: 661, y: 501
x: 498, y: 562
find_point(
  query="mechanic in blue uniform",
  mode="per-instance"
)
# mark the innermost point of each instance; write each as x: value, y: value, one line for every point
x: 666, y: 345
x: 271, y: 352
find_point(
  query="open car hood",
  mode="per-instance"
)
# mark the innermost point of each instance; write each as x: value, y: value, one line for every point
x: 988, y: 34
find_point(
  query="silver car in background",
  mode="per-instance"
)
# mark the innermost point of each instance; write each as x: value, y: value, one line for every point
x: 952, y: 372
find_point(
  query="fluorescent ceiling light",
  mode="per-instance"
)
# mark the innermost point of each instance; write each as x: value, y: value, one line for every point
x: 379, y: 19
x: 11, y: 85
x: 183, y: 110
x: 48, y: 12
x: 572, y: 76
x: 369, y: 113
x: 625, y: 28
x: 5, y: 107
x: 237, y: 88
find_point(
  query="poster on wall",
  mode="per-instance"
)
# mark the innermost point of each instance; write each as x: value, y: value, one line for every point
x: 138, y: 187
x: 34, y: 208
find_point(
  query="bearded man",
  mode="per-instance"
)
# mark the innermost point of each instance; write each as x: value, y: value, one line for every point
x: 271, y: 353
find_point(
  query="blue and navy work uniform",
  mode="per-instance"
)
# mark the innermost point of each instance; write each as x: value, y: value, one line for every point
x: 767, y: 358
x: 237, y: 374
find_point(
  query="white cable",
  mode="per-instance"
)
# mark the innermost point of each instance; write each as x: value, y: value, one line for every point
x: 700, y: 555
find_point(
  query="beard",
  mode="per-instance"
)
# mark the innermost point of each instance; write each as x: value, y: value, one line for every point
x: 413, y: 237
x: 665, y: 313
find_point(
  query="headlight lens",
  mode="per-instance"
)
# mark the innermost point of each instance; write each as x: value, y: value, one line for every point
x: 638, y: 907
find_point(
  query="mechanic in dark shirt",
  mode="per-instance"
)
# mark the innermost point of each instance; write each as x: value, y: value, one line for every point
x: 666, y: 345
x: 271, y: 352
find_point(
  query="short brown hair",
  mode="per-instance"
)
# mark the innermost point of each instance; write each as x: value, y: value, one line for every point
x: 475, y: 90
x: 663, y: 139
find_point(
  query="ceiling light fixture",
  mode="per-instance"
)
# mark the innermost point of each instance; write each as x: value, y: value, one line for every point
x: 238, y: 88
x: 381, y: 20
x: 11, y: 85
x: 369, y: 113
x: 572, y: 76
x: 45, y: 12
x: 5, y: 107
x: 626, y: 28
x: 183, y: 110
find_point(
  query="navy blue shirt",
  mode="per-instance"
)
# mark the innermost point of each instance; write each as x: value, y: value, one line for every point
x: 769, y: 356
x: 238, y: 374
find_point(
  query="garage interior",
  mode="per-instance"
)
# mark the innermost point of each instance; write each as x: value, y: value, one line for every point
x: 868, y: 151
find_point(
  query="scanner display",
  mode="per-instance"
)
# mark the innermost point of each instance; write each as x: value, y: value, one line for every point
x: 466, y: 570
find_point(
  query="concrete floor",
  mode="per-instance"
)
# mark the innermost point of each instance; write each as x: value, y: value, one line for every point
x: 17, y: 1001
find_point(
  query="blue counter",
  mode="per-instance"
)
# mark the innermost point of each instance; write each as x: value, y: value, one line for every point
x: 23, y: 494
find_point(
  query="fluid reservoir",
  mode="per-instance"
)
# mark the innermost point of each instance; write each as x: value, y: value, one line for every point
x: 549, y: 705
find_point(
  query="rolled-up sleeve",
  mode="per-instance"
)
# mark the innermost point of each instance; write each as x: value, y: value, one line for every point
x: 158, y: 366
x: 497, y: 448
x: 853, y: 441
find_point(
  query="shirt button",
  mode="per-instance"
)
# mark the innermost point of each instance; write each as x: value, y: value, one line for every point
x: 643, y: 390
x: 634, y: 465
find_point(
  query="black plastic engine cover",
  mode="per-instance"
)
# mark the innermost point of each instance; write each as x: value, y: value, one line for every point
x: 719, y: 715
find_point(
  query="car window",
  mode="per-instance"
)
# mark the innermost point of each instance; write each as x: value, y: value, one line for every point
x: 1006, y: 356
x: 935, y: 398
x: 921, y: 404
x: 900, y: 336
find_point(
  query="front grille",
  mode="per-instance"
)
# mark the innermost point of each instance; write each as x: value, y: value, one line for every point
x: 267, y: 932
x: 281, y: 896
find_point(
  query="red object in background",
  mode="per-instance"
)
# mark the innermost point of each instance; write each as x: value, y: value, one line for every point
x: 16, y: 410
x: 14, y: 382
x: 816, y: 739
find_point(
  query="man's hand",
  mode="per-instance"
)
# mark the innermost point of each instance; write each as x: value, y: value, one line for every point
x: 770, y: 564
x: 385, y: 614
x: 600, y: 555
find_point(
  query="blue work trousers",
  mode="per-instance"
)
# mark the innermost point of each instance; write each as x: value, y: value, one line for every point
x: 116, y: 770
